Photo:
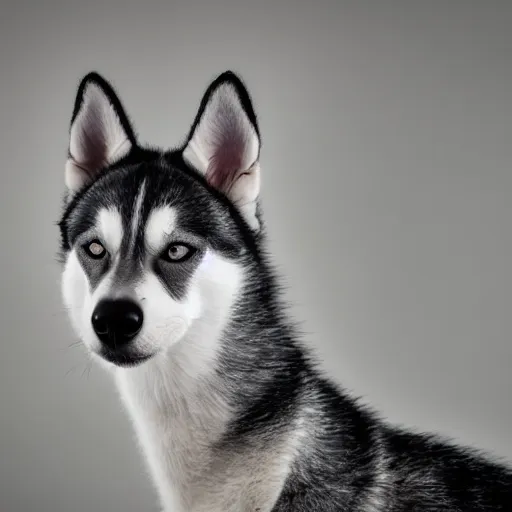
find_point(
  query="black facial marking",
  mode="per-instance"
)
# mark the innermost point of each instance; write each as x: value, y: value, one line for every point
x: 203, y: 221
x: 176, y: 276
x: 95, y: 268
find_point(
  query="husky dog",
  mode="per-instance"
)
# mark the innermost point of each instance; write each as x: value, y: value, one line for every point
x: 167, y: 282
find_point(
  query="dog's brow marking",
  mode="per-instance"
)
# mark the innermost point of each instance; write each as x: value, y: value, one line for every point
x: 160, y: 224
x: 137, y: 211
x: 111, y: 227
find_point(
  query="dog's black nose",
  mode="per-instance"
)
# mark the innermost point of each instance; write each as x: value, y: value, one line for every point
x: 116, y: 322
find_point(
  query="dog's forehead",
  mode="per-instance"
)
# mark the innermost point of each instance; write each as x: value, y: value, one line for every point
x: 133, y: 193
x: 134, y: 206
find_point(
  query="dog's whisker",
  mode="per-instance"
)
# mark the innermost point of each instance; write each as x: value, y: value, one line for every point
x: 87, y: 369
x: 71, y: 370
x: 74, y: 344
x: 90, y: 368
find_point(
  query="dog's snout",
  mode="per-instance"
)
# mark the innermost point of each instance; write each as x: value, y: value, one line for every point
x: 116, y: 322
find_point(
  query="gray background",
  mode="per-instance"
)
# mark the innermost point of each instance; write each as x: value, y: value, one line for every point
x: 387, y: 147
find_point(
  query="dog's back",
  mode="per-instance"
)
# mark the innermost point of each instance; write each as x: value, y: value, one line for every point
x: 353, y: 461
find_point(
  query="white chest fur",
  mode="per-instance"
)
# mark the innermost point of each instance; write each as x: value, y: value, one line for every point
x: 177, y: 420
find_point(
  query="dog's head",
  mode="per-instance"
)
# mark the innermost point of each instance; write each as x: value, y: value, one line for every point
x: 155, y: 241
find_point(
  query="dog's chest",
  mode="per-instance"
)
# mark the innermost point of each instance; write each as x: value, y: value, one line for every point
x: 176, y: 424
x: 177, y: 428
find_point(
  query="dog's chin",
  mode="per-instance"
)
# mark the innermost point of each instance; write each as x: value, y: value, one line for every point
x: 125, y: 359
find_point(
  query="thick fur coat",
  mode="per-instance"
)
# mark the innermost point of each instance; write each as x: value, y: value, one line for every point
x: 167, y: 282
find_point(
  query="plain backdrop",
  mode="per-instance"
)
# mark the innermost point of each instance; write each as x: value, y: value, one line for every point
x: 387, y: 182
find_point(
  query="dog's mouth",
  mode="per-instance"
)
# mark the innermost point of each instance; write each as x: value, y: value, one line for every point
x: 125, y: 359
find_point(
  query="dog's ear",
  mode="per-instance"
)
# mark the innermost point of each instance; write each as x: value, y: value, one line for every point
x: 224, y: 144
x: 100, y: 132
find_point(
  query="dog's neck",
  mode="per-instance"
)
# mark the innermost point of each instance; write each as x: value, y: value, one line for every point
x: 182, y: 407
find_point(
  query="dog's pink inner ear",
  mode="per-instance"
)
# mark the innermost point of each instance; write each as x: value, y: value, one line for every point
x: 227, y: 158
x: 224, y: 147
x: 88, y: 146
x: 97, y: 138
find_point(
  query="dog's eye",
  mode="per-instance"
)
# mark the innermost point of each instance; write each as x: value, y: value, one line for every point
x: 95, y: 250
x: 177, y: 252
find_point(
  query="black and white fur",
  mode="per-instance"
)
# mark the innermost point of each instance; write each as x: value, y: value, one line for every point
x: 231, y: 413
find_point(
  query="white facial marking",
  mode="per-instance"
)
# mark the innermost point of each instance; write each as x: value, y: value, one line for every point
x: 110, y: 226
x: 136, y: 216
x: 74, y: 291
x: 159, y: 226
x: 207, y: 260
